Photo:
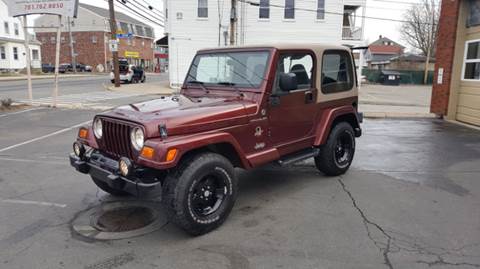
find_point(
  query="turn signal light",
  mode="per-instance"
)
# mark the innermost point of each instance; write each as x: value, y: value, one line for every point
x: 147, y: 152
x: 83, y: 133
x: 171, y: 153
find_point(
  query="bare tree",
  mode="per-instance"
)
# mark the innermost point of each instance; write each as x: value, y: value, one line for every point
x: 421, y: 26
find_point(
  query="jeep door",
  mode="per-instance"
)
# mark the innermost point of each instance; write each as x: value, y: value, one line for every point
x: 292, y: 113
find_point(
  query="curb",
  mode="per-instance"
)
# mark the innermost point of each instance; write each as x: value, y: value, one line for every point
x: 47, y: 77
x: 398, y: 115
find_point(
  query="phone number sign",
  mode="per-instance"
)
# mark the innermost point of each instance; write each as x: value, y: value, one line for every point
x: 57, y: 7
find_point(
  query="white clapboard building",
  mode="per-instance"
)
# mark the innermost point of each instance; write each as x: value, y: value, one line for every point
x: 12, y: 47
x: 195, y: 24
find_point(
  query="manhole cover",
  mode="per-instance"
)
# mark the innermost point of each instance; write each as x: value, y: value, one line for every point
x: 119, y: 220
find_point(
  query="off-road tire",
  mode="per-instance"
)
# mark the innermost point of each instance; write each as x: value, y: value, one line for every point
x: 112, y: 80
x: 104, y: 187
x: 178, y: 191
x: 326, y: 161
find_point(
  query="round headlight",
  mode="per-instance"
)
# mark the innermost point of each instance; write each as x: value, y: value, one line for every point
x: 97, y: 128
x: 137, y: 137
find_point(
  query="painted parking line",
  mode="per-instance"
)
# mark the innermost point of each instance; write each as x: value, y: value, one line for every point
x: 33, y: 161
x: 44, y: 136
x: 27, y: 202
x: 18, y: 112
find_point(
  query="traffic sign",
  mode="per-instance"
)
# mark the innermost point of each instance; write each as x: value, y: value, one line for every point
x: 113, y: 45
x: 129, y: 35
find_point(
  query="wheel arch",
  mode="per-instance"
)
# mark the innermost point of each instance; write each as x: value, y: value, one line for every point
x: 332, y: 117
x: 224, y: 148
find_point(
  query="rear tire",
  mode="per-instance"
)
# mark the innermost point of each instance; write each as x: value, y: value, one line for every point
x: 337, y: 154
x: 104, y: 187
x: 200, y: 194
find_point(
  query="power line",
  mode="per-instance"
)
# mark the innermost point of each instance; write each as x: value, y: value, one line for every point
x: 141, y: 15
x: 326, y: 12
x: 147, y: 8
x: 147, y: 13
x: 151, y: 7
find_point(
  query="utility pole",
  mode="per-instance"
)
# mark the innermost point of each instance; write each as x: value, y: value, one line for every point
x: 113, y: 30
x: 72, y: 51
x: 28, y: 60
x: 430, y: 41
x: 233, y: 22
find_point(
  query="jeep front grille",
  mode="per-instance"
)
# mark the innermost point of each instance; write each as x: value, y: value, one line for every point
x: 115, y: 140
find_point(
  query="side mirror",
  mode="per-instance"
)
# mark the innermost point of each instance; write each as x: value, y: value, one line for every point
x: 288, y: 82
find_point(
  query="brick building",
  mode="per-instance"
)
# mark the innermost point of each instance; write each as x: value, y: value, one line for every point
x: 91, y: 33
x: 456, y: 88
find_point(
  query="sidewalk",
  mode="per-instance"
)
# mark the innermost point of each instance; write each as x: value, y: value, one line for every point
x: 24, y: 77
x: 161, y: 87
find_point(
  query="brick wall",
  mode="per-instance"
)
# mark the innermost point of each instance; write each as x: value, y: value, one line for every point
x: 89, y: 52
x: 445, y: 52
x: 88, y: 46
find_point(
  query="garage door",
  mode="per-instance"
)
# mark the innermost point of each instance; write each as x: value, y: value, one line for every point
x: 468, y: 107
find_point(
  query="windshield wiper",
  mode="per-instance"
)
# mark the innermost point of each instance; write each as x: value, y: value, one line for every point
x: 199, y: 83
x: 228, y: 83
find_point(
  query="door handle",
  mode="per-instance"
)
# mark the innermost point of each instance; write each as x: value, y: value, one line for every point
x: 308, y: 97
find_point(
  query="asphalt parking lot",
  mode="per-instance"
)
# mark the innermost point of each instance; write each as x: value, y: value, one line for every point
x: 410, y: 200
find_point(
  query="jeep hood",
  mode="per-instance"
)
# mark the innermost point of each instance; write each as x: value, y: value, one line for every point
x: 183, y: 115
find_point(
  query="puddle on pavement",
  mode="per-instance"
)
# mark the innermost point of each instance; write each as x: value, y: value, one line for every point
x: 119, y: 220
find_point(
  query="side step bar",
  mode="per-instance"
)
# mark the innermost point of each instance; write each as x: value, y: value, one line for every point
x: 299, y: 156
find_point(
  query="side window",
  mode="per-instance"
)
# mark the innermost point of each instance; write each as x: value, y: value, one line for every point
x: 300, y: 64
x: 337, y: 71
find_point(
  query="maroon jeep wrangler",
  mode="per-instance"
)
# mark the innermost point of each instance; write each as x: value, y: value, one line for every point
x: 238, y: 107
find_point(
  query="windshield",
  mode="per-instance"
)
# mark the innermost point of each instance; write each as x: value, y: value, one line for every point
x: 239, y: 69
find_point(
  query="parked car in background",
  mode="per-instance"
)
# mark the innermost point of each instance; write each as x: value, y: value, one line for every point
x: 88, y: 68
x: 63, y: 68
x: 48, y: 68
x: 129, y: 73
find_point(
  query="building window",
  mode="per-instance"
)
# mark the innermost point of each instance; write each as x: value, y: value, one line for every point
x: 52, y: 39
x: 6, y: 27
x: 321, y: 10
x: 94, y: 39
x: 337, y: 74
x: 15, y: 53
x: 44, y: 40
x: 15, y: 29
x: 289, y: 9
x: 474, y: 15
x: 35, y: 56
x: 264, y: 9
x: 124, y: 27
x: 139, y: 30
x: 202, y: 11
x: 148, y: 32
x: 3, y: 54
x: 471, y: 68
x: 62, y: 39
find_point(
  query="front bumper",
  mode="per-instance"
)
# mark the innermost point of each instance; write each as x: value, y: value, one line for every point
x: 142, y: 181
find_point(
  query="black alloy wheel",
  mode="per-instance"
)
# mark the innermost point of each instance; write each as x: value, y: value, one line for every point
x: 208, y: 195
x: 336, y: 155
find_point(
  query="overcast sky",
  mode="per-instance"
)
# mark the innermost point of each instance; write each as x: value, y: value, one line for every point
x: 389, y: 9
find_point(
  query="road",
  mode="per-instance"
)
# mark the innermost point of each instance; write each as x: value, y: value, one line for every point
x: 411, y: 200
x: 17, y: 90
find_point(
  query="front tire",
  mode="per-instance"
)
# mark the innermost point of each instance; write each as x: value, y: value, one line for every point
x: 336, y: 155
x: 106, y: 188
x: 201, y: 193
